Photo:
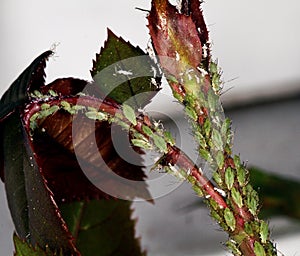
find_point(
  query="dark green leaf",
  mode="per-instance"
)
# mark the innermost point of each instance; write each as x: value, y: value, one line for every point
x: 125, y: 73
x: 30, y: 201
x: 102, y: 226
x: 279, y: 195
x: 12, y: 147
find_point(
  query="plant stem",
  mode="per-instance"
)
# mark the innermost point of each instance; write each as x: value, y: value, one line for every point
x: 233, y: 203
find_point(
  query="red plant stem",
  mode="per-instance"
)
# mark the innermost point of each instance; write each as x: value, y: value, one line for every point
x: 174, y: 156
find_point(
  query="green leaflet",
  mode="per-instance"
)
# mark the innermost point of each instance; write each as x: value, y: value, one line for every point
x: 129, y: 113
x: 125, y: 73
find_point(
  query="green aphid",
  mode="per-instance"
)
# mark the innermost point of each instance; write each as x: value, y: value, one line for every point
x: 217, y: 140
x: 248, y: 229
x: 183, y: 173
x: 201, y: 99
x: 77, y: 108
x: 229, y: 219
x: 53, y: 109
x: 96, y: 115
x: 225, y: 128
x: 169, y: 138
x: 206, y: 155
x: 207, y: 127
x: 259, y: 249
x: 237, y: 161
x: 198, y: 190
x: 91, y: 109
x: 45, y: 106
x: 252, y: 201
x: 37, y: 94
x: 229, y: 178
x: 141, y: 143
x: 124, y: 125
x: 233, y: 247
x: 138, y: 135
x: 191, y: 179
x: 65, y: 105
x: 237, y: 198
x: 160, y: 143
x: 241, y: 176
x: 178, y: 96
x: 213, y: 67
x: 72, y: 111
x: 129, y: 114
x: 52, y: 93
x: 191, y: 113
x: 215, y: 76
x: 217, y: 178
x: 34, y: 117
x: 264, y: 231
x: 168, y: 169
x: 119, y: 115
x: 220, y: 159
x: 178, y: 173
x: 216, y: 82
x: 172, y: 79
x: 214, y: 204
x: 147, y: 130
x: 201, y: 140
x: 33, y: 125
x: 213, y: 100
x: 215, y: 215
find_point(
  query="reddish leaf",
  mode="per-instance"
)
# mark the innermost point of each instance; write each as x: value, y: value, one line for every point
x: 174, y: 35
x: 65, y: 86
x: 40, y: 167
x: 60, y: 164
x: 34, y: 212
x: 192, y: 8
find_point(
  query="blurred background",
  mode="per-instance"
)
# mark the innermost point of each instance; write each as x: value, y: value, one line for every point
x: 257, y: 47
